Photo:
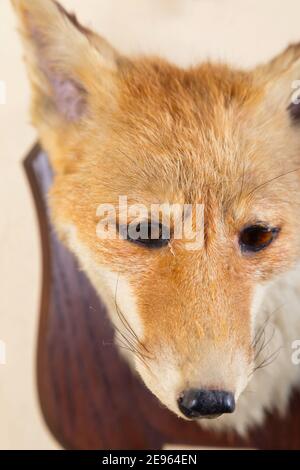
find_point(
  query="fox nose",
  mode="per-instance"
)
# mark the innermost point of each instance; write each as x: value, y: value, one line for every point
x: 195, y: 403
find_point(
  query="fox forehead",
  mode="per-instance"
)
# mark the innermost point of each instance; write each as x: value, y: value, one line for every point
x: 166, y: 113
x: 181, y: 130
x: 162, y: 93
x: 174, y: 136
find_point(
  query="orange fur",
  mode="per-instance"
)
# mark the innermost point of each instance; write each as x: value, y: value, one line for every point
x: 158, y: 133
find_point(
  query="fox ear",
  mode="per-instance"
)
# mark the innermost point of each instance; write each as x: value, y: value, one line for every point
x: 66, y: 61
x: 281, y: 80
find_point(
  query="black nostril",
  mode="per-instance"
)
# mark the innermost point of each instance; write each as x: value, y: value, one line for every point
x: 196, y: 403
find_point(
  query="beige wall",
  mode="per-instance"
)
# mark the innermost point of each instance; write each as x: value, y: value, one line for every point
x: 242, y: 31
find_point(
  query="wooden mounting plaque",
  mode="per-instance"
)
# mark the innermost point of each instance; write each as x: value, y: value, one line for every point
x: 89, y: 397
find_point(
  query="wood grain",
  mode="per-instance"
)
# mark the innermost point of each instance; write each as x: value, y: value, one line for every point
x: 89, y: 397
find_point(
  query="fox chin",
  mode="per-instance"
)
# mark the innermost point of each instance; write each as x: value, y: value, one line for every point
x: 203, y: 327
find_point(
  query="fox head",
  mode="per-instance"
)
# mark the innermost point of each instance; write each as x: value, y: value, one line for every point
x: 148, y: 130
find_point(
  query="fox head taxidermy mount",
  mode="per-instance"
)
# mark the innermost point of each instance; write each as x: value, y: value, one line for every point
x: 203, y: 325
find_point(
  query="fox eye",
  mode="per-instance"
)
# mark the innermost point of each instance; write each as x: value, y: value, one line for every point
x: 151, y: 235
x: 257, y: 237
